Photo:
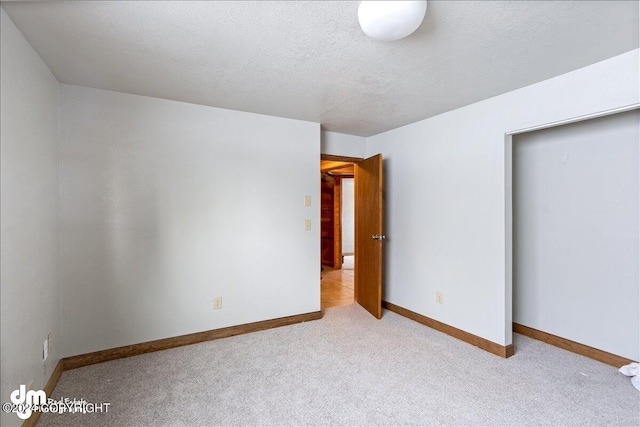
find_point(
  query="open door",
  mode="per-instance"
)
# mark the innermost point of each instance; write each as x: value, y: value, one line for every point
x: 368, y: 234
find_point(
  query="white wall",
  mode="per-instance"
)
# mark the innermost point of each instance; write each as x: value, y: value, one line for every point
x: 340, y: 144
x: 348, y: 215
x: 446, y: 189
x: 30, y: 303
x: 575, y: 228
x: 166, y: 205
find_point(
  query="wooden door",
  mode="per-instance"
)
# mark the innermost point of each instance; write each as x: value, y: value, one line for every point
x: 369, y: 238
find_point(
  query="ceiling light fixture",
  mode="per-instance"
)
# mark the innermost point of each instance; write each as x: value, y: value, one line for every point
x: 391, y: 20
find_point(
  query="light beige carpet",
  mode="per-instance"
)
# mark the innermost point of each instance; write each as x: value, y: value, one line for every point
x: 350, y: 369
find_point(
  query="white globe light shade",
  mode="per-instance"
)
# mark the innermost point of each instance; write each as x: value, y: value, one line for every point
x: 391, y: 20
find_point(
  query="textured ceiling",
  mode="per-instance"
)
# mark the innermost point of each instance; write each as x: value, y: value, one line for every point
x: 311, y: 61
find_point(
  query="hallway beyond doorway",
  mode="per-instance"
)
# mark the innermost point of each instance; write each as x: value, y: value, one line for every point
x: 337, y: 285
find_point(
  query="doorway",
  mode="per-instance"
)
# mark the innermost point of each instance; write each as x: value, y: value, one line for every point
x: 337, y: 231
x: 572, y: 243
x: 368, y: 232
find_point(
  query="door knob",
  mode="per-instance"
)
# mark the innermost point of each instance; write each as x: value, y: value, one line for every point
x: 378, y: 237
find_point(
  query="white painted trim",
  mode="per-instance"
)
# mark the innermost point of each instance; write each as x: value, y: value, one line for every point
x: 508, y: 244
x: 575, y: 119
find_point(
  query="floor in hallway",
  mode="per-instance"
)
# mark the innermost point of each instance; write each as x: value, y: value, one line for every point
x: 337, y: 286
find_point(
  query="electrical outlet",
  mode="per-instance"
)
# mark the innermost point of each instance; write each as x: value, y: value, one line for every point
x: 307, y: 201
x: 45, y: 349
x: 439, y: 299
x: 217, y: 303
x: 307, y: 224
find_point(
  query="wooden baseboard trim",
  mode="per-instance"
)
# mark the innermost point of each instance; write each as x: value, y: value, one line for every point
x: 48, y: 389
x: 179, y: 341
x: 87, y: 359
x: 575, y: 347
x: 53, y: 380
x: 484, y: 344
